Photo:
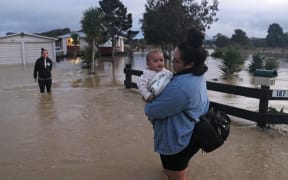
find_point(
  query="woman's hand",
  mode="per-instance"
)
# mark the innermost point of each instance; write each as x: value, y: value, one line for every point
x: 150, y: 98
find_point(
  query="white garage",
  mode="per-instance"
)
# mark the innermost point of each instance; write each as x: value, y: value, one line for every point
x: 23, y: 48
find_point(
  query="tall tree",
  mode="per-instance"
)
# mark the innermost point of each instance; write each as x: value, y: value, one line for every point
x: 166, y: 21
x: 163, y: 22
x: 116, y: 20
x: 221, y: 40
x: 239, y: 37
x: 93, y: 28
x: 275, y: 36
x: 286, y: 39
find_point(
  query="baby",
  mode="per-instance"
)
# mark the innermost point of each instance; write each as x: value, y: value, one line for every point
x: 155, y: 78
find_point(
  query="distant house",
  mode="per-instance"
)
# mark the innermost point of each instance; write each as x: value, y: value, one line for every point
x: 23, y: 48
x: 65, y: 43
x: 106, y: 48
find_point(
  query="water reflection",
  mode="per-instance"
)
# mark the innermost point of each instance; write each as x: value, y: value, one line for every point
x: 46, y: 109
x: 110, y: 71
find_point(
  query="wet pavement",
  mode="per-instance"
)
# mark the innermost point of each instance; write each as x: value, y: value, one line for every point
x: 90, y: 127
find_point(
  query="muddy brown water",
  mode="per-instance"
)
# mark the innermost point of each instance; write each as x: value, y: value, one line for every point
x: 91, y: 127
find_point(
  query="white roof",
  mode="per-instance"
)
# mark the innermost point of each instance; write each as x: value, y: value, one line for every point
x: 82, y: 35
x: 106, y: 44
x: 68, y: 35
x: 27, y: 34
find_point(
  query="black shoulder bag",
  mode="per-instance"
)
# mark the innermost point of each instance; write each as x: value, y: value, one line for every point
x: 212, y: 129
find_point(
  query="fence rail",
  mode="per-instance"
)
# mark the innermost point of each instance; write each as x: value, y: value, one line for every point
x: 262, y: 117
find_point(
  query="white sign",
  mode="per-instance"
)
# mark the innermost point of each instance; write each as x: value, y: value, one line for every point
x: 264, y: 81
x: 280, y: 93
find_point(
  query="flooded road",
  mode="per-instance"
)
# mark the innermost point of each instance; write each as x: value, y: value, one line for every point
x: 84, y: 129
x: 91, y: 128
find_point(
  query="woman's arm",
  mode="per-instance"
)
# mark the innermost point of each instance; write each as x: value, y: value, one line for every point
x: 36, y: 69
x: 172, y: 101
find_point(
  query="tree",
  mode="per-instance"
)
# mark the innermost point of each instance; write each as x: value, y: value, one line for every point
x: 75, y: 42
x: 231, y: 63
x: 75, y: 38
x: 201, y: 14
x: 275, y: 36
x: 286, y: 39
x: 116, y: 20
x: 221, y: 40
x: 239, y: 37
x: 166, y: 21
x: 93, y: 28
x: 258, y: 42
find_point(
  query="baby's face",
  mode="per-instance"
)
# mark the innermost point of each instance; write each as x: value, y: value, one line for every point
x: 156, y: 62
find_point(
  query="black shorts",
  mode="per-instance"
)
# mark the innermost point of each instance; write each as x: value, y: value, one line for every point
x: 179, y: 161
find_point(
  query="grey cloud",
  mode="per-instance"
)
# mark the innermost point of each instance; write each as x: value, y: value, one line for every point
x: 40, y: 16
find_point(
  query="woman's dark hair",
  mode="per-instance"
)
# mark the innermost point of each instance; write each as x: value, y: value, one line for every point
x: 191, y: 51
x: 43, y: 49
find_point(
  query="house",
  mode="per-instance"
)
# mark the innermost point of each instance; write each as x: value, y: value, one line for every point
x: 106, y: 48
x: 65, y: 43
x: 23, y: 48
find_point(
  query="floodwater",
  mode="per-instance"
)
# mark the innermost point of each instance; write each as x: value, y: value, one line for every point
x: 90, y: 127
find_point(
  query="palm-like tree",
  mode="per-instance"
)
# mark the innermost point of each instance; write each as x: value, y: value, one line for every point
x: 75, y: 42
x: 231, y: 62
x: 93, y: 28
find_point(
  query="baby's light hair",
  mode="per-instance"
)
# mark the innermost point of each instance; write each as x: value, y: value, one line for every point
x: 148, y: 56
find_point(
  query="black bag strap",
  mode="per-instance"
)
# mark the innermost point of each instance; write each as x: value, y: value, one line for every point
x: 189, y: 117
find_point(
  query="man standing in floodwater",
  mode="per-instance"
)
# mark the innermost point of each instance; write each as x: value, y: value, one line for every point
x: 42, y: 71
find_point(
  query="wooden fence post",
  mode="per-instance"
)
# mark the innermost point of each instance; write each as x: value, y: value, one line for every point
x: 263, y: 105
x: 128, y: 76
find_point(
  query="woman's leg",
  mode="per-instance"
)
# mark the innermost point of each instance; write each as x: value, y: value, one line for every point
x: 41, y: 84
x: 176, y: 165
x: 48, y: 85
x: 176, y: 175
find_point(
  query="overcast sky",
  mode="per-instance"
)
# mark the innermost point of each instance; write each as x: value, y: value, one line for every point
x: 35, y: 16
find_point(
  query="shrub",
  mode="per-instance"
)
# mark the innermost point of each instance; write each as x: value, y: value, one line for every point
x: 271, y: 63
x: 218, y: 53
x: 274, y: 110
x: 257, y: 62
x: 261, y: 62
